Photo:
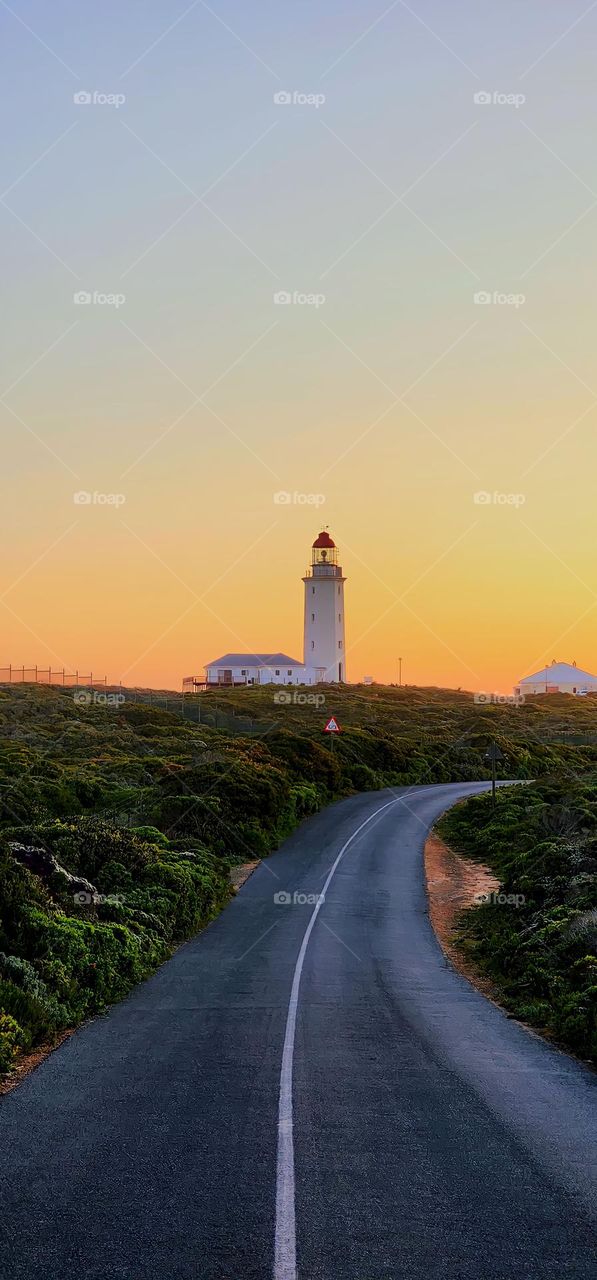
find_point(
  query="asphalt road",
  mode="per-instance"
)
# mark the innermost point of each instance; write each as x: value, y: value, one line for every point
x: 306, y: 1083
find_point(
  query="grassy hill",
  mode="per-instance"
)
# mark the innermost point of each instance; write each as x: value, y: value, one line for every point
x: 119, y: 824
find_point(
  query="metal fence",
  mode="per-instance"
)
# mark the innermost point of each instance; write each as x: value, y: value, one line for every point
x: 50, y: 675
x: 192, y: 708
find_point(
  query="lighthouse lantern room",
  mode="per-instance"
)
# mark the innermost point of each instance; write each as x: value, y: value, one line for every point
x: 325, y: 646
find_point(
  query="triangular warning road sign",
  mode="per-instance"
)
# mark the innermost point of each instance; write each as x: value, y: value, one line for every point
x: 332, y: 726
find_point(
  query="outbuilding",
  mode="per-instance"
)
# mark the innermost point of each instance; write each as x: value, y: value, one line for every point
x: 559, y: 677
x: 258, y: 668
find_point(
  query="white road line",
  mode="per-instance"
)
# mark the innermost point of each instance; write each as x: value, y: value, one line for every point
x: 285, y: 1238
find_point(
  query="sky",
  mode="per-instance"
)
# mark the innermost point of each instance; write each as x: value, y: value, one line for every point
x: 268, y: 268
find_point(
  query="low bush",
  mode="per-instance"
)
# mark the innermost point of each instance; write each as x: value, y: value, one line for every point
x: 12, y: 1039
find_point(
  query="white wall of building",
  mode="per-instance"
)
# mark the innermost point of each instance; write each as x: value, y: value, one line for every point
x: 576, y: 688
x: 288, y: 674
x: 558, y: 677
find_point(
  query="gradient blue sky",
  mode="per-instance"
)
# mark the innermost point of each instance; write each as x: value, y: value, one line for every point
x: 491, y: 591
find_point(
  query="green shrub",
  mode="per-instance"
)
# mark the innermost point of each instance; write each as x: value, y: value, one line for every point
x: 150, y: 835
x: 27, y: 1010
x: 23, y: 974
x: 12, y: 1039
x: 539, y: 841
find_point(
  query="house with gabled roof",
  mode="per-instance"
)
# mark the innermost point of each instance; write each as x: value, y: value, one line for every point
x: 558, y: 677
x: 258, y: 668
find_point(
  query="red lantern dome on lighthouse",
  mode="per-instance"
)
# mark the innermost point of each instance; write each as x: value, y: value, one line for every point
x: 324, y: 555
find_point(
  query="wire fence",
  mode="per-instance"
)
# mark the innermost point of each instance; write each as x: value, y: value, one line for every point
x: 192, y: 708
x: 51, y: 675
x: 187, y: 705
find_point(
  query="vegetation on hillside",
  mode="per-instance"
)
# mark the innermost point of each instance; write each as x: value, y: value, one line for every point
x: 119, y: 823
x: 537, y: 939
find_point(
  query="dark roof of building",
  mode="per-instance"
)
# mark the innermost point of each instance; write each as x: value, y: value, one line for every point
x: 324, y: 540
x: 254, y: 660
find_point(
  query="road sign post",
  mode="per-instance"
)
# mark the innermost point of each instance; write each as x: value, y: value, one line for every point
x: 493, y: 755
x: 332, y: 727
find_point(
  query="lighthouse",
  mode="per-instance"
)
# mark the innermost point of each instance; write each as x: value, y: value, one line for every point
x: 325, y: 646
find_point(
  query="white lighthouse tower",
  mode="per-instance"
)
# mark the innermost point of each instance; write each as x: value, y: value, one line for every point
x: 325, y: 645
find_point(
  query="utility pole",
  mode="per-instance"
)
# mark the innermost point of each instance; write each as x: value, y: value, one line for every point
x: 400, y: 673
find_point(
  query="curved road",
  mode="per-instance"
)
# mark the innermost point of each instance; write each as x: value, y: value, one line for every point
x: 306, y: 1090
